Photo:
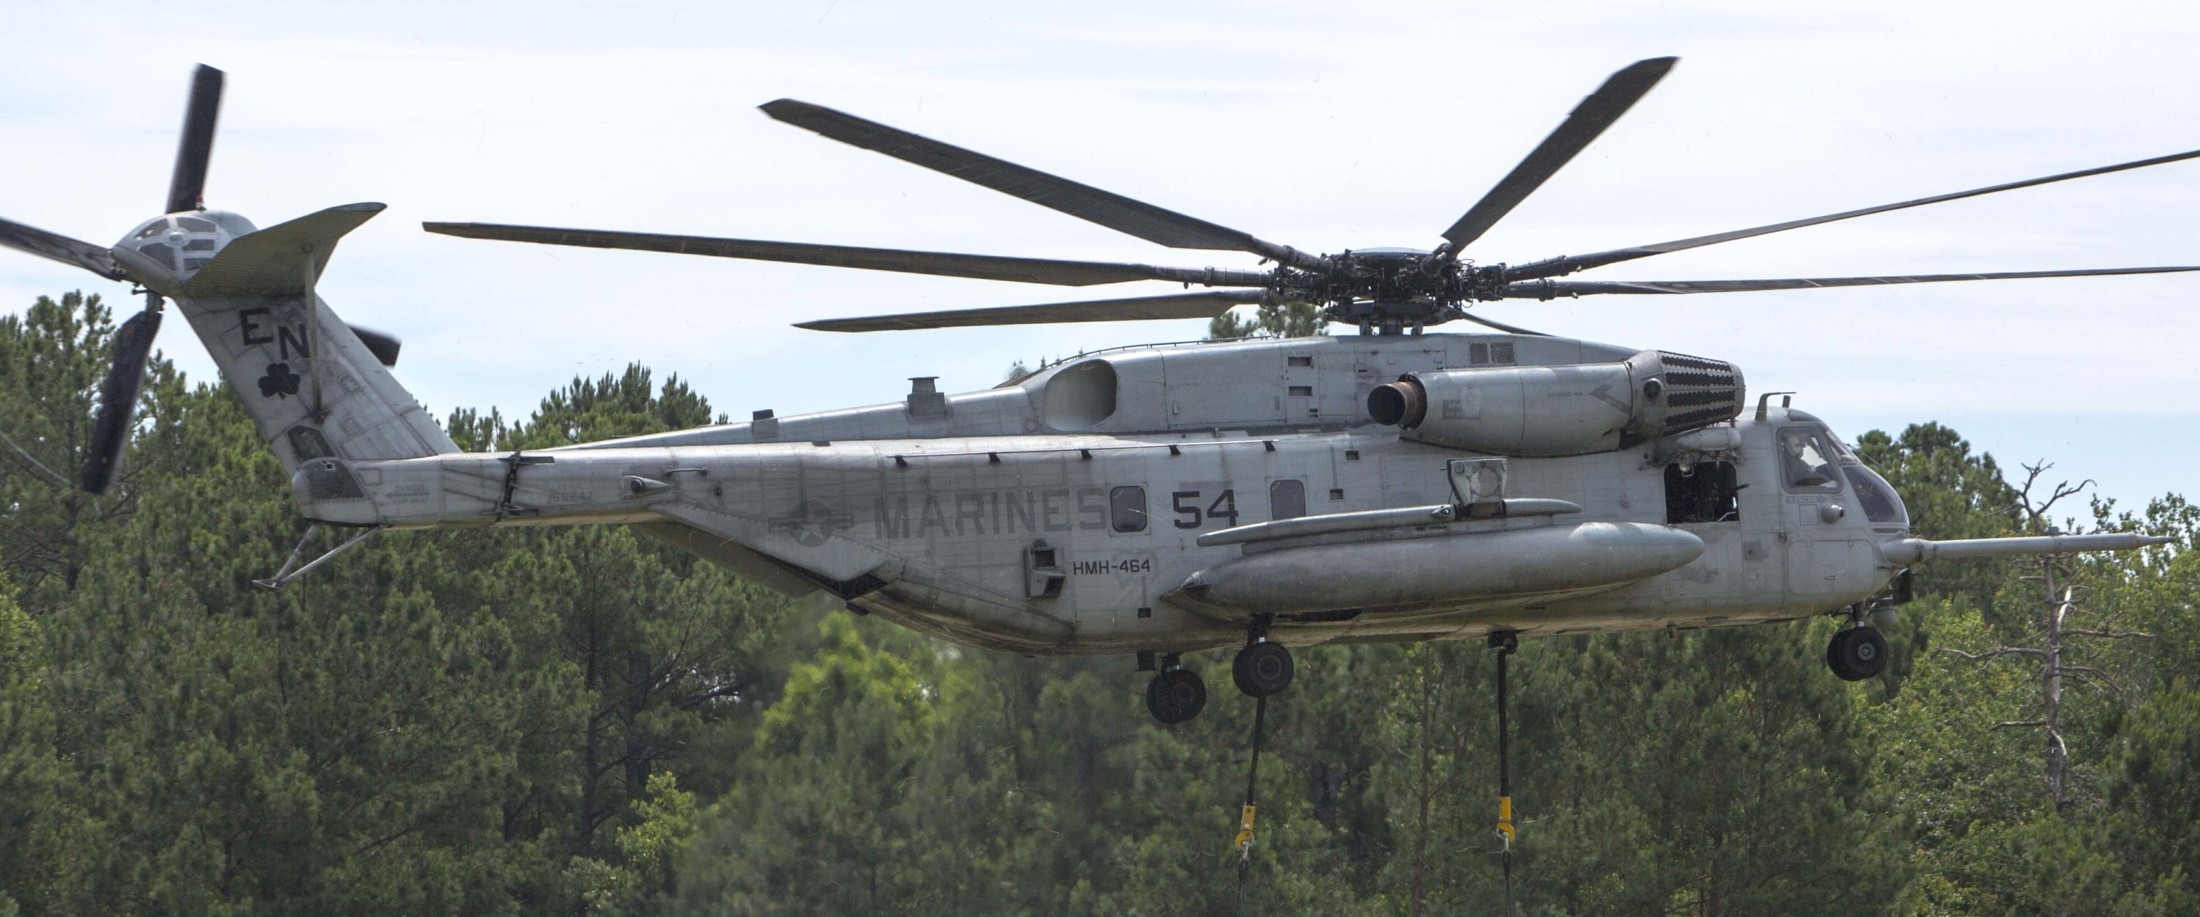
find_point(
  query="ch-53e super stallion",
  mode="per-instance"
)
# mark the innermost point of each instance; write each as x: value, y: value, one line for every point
x: 1157, y: 501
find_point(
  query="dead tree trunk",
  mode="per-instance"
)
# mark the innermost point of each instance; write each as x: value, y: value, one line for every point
x: 2051, y: 678
x: 2052, y: 647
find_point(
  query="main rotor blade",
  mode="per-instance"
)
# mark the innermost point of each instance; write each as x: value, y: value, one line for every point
x: 188, y: 186
x: 1501, y: 326
x: 946, y: 264
x: 1114, y: 211
x: 1556, y: 267
x: 1549, y: 289
x: 118, y: 397
x: 60, y: 248
x: 1588, y: 120
x: 1137, y: 308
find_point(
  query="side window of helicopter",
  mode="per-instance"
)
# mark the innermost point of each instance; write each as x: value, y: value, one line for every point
x: 1806, y: 464
x: 1286, y: 499
x: 1702, y: 492
x: 1127, y: 509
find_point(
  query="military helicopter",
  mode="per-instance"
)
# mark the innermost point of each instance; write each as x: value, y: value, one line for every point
x: 1156, y: 501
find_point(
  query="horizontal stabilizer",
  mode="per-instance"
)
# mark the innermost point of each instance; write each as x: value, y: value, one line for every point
x: 275, y: 260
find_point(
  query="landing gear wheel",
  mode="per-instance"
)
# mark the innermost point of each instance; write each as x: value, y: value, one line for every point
x: 1857, y: 653
x: 1175, y: 696
x: 1262, y: 669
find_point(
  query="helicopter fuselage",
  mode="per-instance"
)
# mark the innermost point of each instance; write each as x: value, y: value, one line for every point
x: 1057, y: 542
x: 1024, y: 544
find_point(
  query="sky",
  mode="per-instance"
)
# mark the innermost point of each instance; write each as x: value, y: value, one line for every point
x: 1325, y: 126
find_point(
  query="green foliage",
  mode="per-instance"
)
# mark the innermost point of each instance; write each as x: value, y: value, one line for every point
x: 665, y: 823
x: 855, y: 719
x: 440, y: 723
x: 1282, y: 320
x: 28, y: 768
x: 2153, y: 825
x: 1966, y: 757
x: 583, y: 721
x: 1963, y: 783
x: 2151, y: 592
x: 1950, y: 493
x: 611, y: 407
x: 1779, y: 814
x: 52, y: 358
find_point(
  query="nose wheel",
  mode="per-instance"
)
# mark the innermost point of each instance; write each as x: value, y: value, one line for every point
x: 1857, y: 653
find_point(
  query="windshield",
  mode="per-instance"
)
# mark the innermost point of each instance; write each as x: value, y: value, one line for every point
x: 1875, y: 495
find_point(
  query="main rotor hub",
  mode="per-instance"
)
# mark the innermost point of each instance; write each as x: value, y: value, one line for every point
x: 1391, y: 288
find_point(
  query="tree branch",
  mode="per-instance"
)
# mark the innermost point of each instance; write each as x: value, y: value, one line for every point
x: 2110, y: 634
x: 1996, y: 652
x: 2098, y: 679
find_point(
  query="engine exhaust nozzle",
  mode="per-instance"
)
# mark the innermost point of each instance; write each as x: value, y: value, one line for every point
x: 1399, y: 404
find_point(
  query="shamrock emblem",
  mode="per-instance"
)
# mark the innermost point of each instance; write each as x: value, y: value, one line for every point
x: 279, y: 382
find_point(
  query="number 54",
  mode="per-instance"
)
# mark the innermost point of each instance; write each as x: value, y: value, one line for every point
x: 1186, y: 504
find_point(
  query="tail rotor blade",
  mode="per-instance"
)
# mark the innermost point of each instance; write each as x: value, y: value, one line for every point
x: 118, y: 397
x: 57, y: 247
x: 188, y: 186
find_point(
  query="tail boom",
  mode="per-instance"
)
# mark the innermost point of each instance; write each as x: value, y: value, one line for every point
x: 312, y: 386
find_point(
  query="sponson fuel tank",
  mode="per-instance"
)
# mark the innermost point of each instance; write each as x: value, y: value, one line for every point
x: 1561, y: 410
x: 1566, y: 560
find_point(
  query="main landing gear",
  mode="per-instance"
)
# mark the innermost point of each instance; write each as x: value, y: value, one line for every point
x: 1859, y: 651
x: 1177, y: 694
x: 1261, y: 669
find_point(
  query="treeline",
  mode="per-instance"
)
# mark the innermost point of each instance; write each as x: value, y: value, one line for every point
x: 578, y: 721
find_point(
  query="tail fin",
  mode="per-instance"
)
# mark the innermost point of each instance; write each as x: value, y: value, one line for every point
x: 312, y: 386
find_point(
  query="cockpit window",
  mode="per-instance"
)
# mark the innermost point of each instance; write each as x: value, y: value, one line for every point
x: 153, y: 229
x: 1875, y: 495
x: 194, y: 224
x: 1807, y: 462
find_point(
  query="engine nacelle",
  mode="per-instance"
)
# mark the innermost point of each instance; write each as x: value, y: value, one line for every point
x: 1561, y: 410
